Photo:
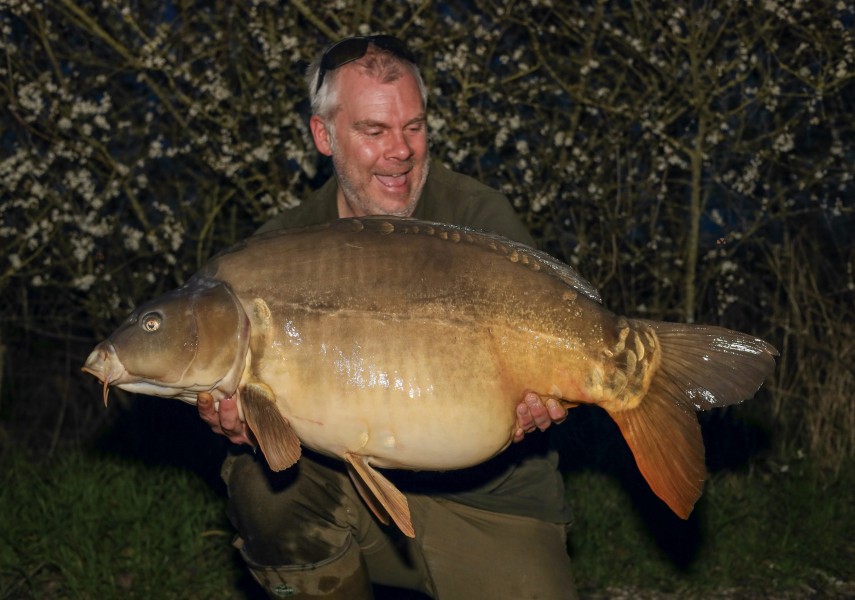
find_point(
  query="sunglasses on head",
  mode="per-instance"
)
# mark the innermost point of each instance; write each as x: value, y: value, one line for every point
x: 354, y: 48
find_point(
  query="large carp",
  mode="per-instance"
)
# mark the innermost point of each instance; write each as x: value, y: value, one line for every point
x: 396, y: 343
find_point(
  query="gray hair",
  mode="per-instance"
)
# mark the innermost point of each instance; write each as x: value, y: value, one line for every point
x: 377, y: 63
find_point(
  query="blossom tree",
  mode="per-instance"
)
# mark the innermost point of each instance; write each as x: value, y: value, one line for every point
x: 689, y: 158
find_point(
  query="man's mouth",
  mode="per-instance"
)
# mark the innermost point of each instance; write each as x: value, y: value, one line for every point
x: 391, y: 181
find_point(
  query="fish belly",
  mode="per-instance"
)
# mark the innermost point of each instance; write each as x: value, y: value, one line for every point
x: 415, y: 394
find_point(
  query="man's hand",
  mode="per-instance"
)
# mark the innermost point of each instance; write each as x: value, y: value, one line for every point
x: 225, y: 421
x: 533, y: 414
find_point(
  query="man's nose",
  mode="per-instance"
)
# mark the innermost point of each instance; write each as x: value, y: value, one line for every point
x: 399, y: 147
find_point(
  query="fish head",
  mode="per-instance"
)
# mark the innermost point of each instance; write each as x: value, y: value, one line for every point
x: 189, y: 340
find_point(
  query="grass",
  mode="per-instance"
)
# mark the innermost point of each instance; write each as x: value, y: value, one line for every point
x: 759, y: 535
x: 101, y: 526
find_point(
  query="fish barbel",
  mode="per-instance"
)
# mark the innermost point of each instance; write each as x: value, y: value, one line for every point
x: 403, y: 344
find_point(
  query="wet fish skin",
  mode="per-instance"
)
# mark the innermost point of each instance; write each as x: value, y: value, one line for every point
x: 404, y: 344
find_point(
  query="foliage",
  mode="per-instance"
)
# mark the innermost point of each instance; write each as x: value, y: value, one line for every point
x: 690, y: 158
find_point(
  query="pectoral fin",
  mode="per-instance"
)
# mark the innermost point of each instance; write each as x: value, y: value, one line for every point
x: 374, y: 488
x: 279, y: 443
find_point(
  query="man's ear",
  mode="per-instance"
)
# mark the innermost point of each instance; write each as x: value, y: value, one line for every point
x: 321, y: 135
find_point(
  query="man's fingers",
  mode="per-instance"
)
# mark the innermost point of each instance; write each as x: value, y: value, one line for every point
x: 229, y: 418
x: 235, y: 429
x: 205, y: 406
x: 226, y: 420
x: 539, y: 413
x: 524, y: 419
x: 533, y: 413
x: 527, y: 412
x: 557, y: 413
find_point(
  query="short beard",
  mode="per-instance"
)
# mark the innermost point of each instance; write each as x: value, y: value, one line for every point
x: 353, y: 196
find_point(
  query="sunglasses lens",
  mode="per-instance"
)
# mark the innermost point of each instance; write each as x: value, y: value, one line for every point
x: 393, y: 45
x: 351, y: 49
x: 344, y: 52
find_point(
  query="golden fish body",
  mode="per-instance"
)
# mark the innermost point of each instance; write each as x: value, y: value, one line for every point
x: 405, y: 344
x: 371, y: 336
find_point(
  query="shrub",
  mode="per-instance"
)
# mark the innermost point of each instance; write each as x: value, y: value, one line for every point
x: 692, y: 160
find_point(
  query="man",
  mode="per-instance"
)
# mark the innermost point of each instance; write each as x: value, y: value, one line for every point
x: 493, y: 531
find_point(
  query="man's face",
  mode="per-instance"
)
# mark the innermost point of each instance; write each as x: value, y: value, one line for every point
x: 378, y: 144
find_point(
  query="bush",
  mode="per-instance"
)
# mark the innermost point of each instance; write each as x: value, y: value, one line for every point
x: 692, y: 160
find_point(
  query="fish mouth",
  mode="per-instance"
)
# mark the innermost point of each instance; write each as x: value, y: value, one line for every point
x: 104, y: 364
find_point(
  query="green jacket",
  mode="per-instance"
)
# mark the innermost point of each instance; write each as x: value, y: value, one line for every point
x: 447, y: 197
x: 524, y: 479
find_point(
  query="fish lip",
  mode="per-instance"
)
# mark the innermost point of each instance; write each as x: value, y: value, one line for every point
x: 103, y: 363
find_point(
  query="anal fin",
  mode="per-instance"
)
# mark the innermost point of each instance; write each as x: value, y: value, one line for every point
x: 279, y: 443
x: 374, y: 488
x: 701, y: 367
x: 665, y: 439
x: 367, y: 495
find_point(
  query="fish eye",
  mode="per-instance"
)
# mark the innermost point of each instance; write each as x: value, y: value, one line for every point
x: 151, y: 322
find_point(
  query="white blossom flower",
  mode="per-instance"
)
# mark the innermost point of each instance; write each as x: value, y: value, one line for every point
x: 132, y: 238
x: 84, y: 282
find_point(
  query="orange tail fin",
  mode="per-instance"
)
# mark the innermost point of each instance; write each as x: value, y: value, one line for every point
x: 701, y: 367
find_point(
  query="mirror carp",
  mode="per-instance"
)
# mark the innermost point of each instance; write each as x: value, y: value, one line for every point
x: 403, y: 344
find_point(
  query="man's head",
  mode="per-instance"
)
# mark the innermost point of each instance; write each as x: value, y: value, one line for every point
x: 368, y: 104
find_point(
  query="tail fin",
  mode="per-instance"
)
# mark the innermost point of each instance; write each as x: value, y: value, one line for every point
x: 701, y: 367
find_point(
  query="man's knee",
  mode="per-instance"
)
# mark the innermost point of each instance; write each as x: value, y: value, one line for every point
x: 297, y: 516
